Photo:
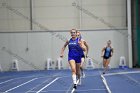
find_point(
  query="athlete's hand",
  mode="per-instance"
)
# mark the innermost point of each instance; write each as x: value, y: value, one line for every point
x: 80, y: 43
x: 86, y: 56
x: 61, y: 55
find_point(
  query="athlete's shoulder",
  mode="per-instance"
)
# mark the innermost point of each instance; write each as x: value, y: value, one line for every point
x: 105, y: 47
x: 112, y: 47
x: 68, y: 40
x: 82, y: 39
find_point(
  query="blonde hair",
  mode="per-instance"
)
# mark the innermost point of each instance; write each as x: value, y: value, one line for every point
x: 109, y: 41
x: 73, y: 29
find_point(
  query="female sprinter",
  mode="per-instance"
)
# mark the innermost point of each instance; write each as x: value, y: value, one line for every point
x: 107, y: 53
x: 74, y: 55
x: 84, y: 53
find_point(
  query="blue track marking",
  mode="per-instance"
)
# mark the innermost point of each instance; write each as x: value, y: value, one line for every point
x: 38, y: 84
x: 13, y: 88
x: 18, y: 79
x: 92, y: 84
x: 92, y: 72
x: 61, y: 85
x: 33, y: 81
x: 50, y: 83
x: 124, y: 83
x: 13, y: 83
x: 135, y: 77
x: 32, y: 86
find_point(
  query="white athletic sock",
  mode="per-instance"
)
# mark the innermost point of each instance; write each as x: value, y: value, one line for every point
x: 74, y: 78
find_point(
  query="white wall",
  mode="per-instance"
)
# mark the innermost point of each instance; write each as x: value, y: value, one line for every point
x: 44, y: 45
x: 60, y: 14
x: 55, y: 14
x: 11, y: 21
x: 111, y: 11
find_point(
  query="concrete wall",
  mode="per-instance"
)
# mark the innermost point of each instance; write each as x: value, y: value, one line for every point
x: 9, y: 19
x: 45, y: 45
x: 61, y: 14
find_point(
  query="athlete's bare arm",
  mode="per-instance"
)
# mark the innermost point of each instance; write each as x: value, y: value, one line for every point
x: 112, y: 52
x: 82, y: 45
x: 63, y: 48
x: 87, y: 47
x: 102, y: 54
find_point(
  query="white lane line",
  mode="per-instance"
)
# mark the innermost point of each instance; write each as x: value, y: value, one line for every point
x: 15, y: 79
x: 65, y: 90
x: 24, y: 77
x: 69, y: 88
x: 131, y: 78
x: 105, y: 83
x: 6, y: 81
x: 78, y: 90
x: 73, y: 90
x: 37, y: 85
x: 20, y: 85
x: 47, y: 85
x: 119, y: 73
x: 49, y: 77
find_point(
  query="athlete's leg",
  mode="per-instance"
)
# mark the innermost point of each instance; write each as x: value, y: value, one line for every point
x: 73, y: 70
x: 78, y: 72
x: 81, y: 67
x: 104, y: 62
x: 104, y: 65
x: 107, y: 63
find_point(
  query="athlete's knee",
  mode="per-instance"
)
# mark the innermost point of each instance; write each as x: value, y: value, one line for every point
x: 78, y: 72
x: 73, y: 70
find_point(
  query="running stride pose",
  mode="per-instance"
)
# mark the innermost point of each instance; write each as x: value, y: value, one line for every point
x: 74, y: 55
x: 84, y: 53
x: 107, y: 53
